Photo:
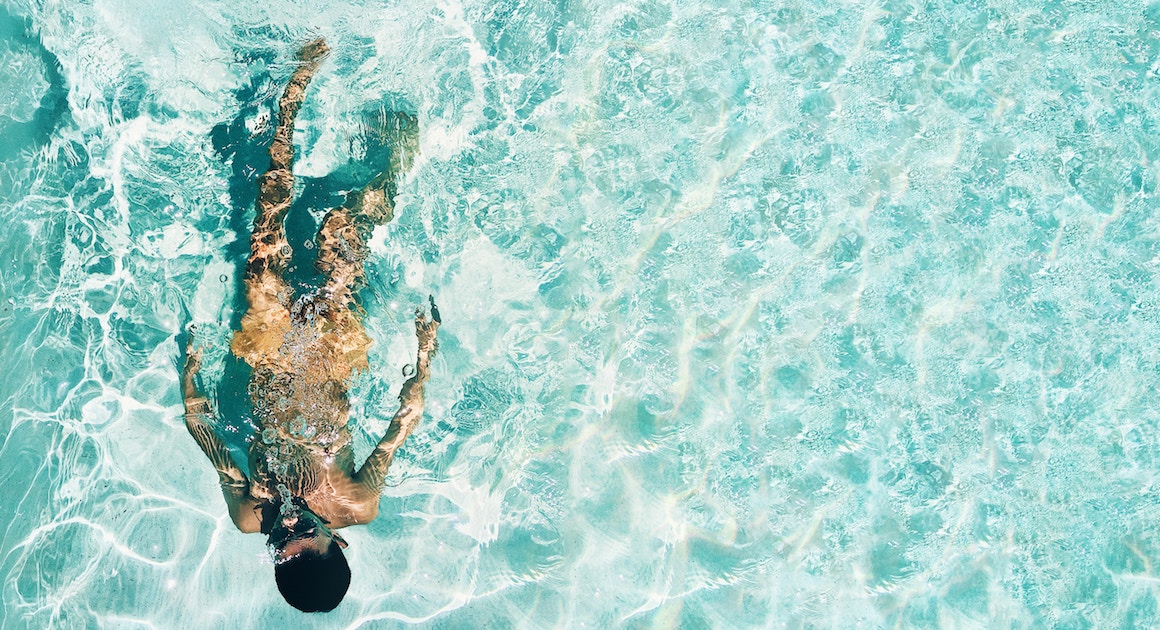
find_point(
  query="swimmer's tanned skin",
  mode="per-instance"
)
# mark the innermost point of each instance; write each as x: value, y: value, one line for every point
x: 303, y: 352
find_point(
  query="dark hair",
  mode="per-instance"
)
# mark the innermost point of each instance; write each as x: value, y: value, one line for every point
x: 314, y: 582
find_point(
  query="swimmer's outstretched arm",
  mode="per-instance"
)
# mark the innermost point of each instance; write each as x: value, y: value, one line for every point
x: 373, y: 474
x: 198, y: 413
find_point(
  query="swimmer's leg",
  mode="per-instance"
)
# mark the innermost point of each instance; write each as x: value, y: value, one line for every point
x: 269, y: 250
x: 342, y: 239
x: 268, y: 297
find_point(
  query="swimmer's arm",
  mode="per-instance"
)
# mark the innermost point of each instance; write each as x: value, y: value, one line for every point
x: 198, y: 413
x: 373, y: 474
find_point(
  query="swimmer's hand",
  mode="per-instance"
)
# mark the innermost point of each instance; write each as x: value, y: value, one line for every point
x: 192, y: 366
x: 426, y: 330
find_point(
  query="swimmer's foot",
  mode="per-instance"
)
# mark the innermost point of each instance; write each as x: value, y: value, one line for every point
x: 402, y: 131
x: 313, y: 51
x: 399, y: 133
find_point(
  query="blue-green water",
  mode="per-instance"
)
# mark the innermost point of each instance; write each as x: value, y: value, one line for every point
x: 756, y: 314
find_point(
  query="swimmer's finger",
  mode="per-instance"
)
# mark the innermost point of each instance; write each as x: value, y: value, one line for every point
x: 184, y: 339
x: 192, y: 352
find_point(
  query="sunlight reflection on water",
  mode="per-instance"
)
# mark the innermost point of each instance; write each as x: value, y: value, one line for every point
x: 755, y: 314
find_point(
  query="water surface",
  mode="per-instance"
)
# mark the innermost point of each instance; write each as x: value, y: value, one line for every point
x: 756, y: 314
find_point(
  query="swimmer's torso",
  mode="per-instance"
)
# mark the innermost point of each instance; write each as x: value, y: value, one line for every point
x: 301, y: 368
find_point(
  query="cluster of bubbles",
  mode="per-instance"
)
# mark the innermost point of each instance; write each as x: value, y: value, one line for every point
x: 277, y: 457
x: 300, y: 428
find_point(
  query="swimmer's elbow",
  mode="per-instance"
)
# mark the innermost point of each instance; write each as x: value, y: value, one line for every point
x: 242, y: 513
x: 365, y: 513
x: 246, y: 523
x: 247, y: 526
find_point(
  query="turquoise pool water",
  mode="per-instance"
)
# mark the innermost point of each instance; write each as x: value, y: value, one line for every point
x: 756, y: 314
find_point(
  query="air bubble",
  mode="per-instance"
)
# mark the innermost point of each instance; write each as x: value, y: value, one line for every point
x: 223, y: 278
x: 288, y: 506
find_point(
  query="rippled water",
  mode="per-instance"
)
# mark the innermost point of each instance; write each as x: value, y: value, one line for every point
x: 757, y: 314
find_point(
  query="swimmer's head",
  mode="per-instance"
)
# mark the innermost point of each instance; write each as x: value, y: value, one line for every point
x: 309, y: 567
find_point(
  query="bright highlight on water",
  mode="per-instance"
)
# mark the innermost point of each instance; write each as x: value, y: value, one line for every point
x: 783, y: 314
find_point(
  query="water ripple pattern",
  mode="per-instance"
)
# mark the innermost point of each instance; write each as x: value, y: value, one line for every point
x: 790, y: 313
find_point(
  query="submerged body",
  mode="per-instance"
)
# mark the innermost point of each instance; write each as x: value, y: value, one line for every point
x: 303, y: 353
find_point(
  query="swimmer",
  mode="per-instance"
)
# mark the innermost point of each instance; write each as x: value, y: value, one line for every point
x: 303, y: 485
